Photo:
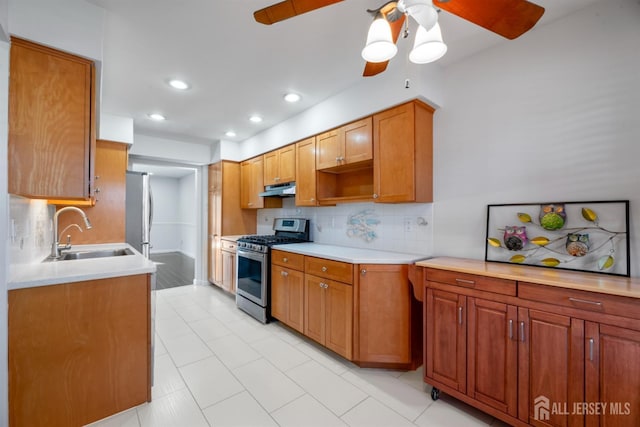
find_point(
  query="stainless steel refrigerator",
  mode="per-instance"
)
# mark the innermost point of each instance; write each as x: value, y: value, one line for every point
x: 139, y: 212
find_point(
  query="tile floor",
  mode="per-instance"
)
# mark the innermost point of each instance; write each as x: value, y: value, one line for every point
x: 216, y: 366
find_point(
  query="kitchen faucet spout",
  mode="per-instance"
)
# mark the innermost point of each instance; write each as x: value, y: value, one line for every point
x: 56, y: 247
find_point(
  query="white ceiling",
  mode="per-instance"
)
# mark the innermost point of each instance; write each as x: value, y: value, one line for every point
x: 238, y: 67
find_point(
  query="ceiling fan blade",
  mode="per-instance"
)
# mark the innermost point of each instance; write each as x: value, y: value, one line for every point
x: 508, y: 18
x: 373, y: 68
x: 288, y: 9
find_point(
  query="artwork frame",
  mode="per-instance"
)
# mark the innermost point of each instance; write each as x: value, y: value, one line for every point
x: 591, y: 236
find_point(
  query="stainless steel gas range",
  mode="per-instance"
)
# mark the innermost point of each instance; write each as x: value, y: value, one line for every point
x: 253, y: 292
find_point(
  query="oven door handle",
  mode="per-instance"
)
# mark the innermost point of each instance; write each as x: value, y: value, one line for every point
x: 251, y: 255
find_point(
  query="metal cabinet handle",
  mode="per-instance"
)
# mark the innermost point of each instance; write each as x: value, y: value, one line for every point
x: 591, y: 345
x: 460, y: 315
x: 375, y: 196
x: 363, y: 271
x: 277, y: 178
x: 466, y: 282
x: 324, y: 269
x: 323, y: 285
x: 584, y: 301
x: 284, y: 273
x: 285, y: 259
x: 522, y: 331
x: 312, y: 199
x: 511, y: 329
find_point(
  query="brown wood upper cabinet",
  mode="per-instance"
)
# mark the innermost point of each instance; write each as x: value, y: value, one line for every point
x: 403, y: 154
x: 345, y: 145
x: 306, y: 172
x: 106, y: 211
x: 252, y: 184
x: 280, y: 165
x: 51, y: 122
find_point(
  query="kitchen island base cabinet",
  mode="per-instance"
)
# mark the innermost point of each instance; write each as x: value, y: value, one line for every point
x: 79, y: 352
x: 529, y: 353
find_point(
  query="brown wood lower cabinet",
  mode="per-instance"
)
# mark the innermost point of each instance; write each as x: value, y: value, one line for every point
x: 78, y: 352
x: 387, y: 320
x: 364, y: 312
x: 532, y: 354
x: 328, y: 307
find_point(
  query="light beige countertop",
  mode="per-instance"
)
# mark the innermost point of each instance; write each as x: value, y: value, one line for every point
x: 350, y: 255
x: 592, y: 282
x: 57, y: 272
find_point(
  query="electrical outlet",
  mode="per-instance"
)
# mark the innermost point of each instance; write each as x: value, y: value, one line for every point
x: 407, y: 224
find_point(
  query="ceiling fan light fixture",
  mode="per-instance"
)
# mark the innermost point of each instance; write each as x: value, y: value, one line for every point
x: 422, y: 11
x: 428, y: 45
x: 380, y: 46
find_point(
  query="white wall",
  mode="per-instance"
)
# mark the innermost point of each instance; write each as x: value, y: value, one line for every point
x: 157, y: 148
x: 116, y: 128
x: 4, y: 20
x: 165, y: 229
x: 71, y: 25
x: 554, y: 118
x: 187, y: 214
x: 175, y: 215
x: 4, y: 220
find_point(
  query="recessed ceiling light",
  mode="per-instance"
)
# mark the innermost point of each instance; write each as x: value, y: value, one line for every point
x: 292, y: 97
x: 178, y: 84
x: 230, y: 133
x: 157, y: 117
x: 255, y: 119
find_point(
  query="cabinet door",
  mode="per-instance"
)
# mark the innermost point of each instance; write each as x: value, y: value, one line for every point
x: 228, y: 271
x: 286, y: 164
x: 217, y: 266
x: 107, y: 214
x: 287, y: 296
x: 271, y: 168
x: 339, y: 317
x: 252, y: 183
x: 295, y: 300
x: 314, y: 308
x: 551, y: 368
x: 328, y: 150
x: 613, y: 374
x: 356, y: 142
x: 446, y: 343
x: 383, y: 314
x: 403, y: 154
x: 51, y: 123
x: 492, y: 354
x: 306, y: 172
x: 279, y: 293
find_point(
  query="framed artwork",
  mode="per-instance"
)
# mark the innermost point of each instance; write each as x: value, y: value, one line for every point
x: 582, y: 236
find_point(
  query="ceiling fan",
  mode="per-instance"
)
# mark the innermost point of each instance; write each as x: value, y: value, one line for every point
x: 507, y: 18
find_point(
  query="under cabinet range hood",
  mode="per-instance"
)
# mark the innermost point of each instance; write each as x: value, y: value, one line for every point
x: 287, y: 189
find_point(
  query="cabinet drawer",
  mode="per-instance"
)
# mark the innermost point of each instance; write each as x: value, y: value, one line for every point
x: 287, y: 259
x: 480, y: 283
x: 228, y: 245
x: 335, y: 270
x: 583, y: 300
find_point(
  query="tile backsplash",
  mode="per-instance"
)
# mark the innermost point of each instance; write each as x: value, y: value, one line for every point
x: 392, y: 227
x: 30, y: 228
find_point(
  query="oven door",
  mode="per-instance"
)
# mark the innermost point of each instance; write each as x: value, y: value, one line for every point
x: 252, y: 276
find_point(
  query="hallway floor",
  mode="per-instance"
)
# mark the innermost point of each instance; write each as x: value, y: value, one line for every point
x: 174, y: 269
x: 216, y: 366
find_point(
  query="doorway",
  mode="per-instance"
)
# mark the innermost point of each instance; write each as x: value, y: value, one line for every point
x: 174, y: 227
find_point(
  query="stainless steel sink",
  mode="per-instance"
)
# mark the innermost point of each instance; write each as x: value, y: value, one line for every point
x: 105, y: 253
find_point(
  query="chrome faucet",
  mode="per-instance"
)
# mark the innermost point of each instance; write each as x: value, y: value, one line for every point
x: 56, y: 246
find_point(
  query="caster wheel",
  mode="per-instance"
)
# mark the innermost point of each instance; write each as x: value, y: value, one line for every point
x: 435, y: 394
